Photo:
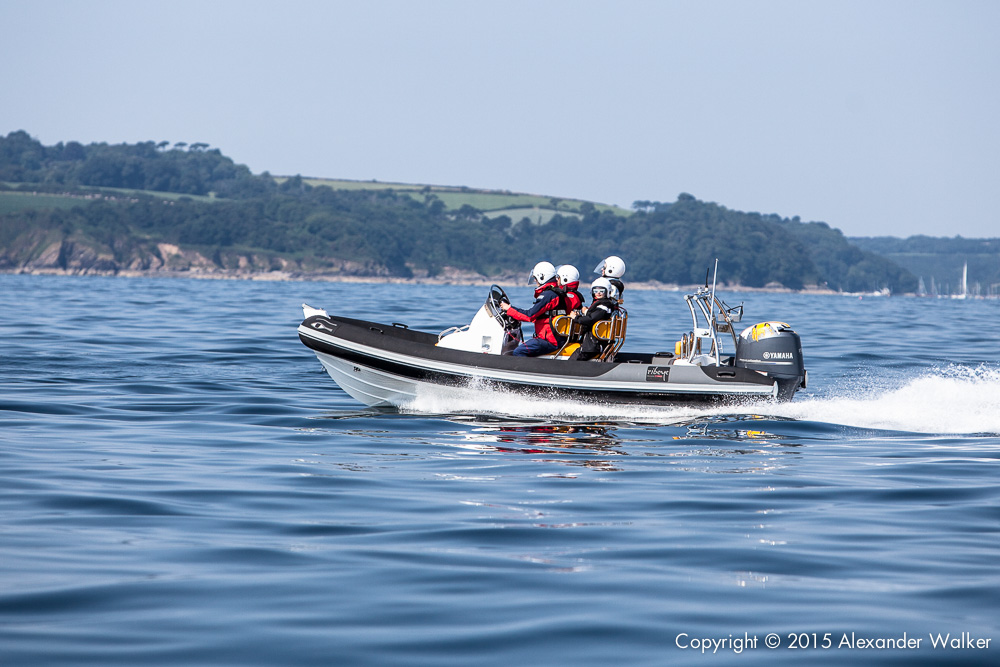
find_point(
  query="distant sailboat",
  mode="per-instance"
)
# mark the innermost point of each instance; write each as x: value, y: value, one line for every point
x: 965, y: 283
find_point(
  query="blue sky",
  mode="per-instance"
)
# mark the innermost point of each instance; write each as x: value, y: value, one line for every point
x: 876, y: 117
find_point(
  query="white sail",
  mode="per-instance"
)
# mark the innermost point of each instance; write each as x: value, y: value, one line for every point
x: 965, y: 283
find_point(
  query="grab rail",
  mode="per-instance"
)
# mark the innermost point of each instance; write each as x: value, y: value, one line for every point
x: 451, y: 330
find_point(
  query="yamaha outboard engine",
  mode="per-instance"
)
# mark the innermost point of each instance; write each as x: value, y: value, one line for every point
x: 773, y: 348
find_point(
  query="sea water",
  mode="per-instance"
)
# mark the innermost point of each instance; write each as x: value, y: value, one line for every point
x: 181, y: 483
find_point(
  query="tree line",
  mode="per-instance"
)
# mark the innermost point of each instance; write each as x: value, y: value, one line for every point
x: 392, y: 233
x: 181, y: 168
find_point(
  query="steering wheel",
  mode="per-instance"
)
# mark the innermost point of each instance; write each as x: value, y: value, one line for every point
x: 496, y: 296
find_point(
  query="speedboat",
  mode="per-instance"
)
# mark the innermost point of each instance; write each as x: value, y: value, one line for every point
x: 390, y: 364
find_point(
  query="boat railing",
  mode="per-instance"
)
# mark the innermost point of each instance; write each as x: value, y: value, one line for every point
x: 710, y: 316
x: 451, y: 330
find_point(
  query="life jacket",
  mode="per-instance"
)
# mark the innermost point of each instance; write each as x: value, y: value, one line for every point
x: 600, y: 309
x: 552, y: 284
x: 569, y: 297
x: 548, y: 300
x: 574, y: 299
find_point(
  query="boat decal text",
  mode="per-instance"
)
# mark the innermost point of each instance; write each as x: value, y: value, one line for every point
x: 657, y: 373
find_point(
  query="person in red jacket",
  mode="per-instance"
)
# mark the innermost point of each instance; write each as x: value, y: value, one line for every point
x: 568, y: 282
x: 551, y: 298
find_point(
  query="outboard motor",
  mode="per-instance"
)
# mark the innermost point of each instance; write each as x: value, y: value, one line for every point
x: 775, y: 349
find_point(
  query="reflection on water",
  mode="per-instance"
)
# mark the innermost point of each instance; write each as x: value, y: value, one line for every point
x: 535, y: 438
x: 740, y: 444
x: 565, y: 440
x: 707, y: 443
x: 720, y: 428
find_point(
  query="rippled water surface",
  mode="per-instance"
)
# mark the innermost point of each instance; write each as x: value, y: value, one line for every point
x: 181, y: 483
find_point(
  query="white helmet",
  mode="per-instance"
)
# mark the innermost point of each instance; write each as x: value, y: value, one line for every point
x: 568, y: 274
x: 603, y: 283
x: 612, y: 267
x: 542, y: 273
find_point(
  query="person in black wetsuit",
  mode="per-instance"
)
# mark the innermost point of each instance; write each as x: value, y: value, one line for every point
x: 603, y: 306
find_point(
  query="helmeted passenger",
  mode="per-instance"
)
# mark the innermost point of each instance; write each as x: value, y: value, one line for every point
x: 551, y: 298
x: 603, y: 306
x: 568, y: 281
x: 541, y: 274
x: 613, y: 268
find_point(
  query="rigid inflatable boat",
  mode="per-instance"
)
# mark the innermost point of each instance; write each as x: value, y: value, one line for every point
x: 391, y: 364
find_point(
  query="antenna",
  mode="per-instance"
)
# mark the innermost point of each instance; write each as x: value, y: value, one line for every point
x: 715, y: 276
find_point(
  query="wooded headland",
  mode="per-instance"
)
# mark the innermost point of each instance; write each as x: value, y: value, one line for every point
x: 161, y: 209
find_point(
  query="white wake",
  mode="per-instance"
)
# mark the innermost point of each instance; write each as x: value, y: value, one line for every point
x: 952, y: 400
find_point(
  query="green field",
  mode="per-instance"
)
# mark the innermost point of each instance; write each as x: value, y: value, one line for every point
x: 489, y: 201
x: 19, y: 201
x: 535, y: 214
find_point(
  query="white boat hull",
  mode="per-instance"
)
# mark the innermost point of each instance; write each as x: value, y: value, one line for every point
x: 370, y: 386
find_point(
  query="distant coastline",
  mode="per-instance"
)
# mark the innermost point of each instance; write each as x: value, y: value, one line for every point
x: 450, y: 278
